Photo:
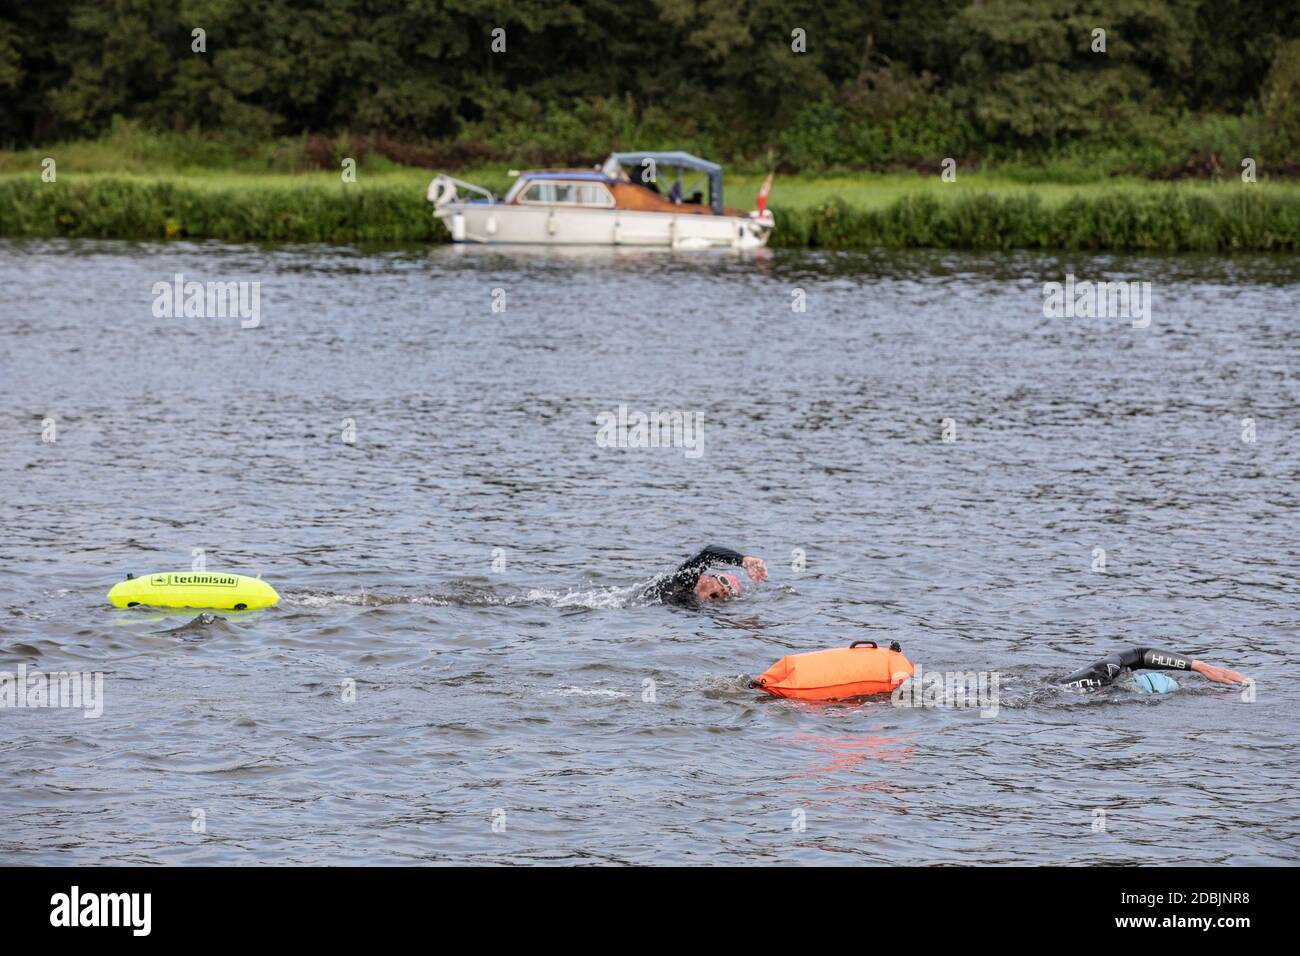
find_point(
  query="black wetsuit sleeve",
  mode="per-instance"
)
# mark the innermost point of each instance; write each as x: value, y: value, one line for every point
x: 1105, y: 671
x: 692, y: 568
x: 688, y: 573
x: 1151, y: 658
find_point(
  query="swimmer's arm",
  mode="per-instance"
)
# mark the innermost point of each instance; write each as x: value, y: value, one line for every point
x: 688, y: 572
x: 1150, y: 658
x: 1154, y: 659
x: 692, y: 568
x: 1220, y: 675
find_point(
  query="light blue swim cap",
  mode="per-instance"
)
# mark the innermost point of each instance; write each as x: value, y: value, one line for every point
x: 1154, y: 683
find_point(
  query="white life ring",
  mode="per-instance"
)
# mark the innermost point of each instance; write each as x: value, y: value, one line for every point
x: 442, y: 191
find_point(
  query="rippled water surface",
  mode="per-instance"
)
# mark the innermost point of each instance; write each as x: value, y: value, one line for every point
x: 471, y: 559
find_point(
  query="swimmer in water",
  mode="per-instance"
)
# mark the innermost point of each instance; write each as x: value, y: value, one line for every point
x: 689, y: 584
x: 1107, y: 670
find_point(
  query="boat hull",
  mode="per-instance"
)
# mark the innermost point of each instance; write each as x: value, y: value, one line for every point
x: 553, y: 225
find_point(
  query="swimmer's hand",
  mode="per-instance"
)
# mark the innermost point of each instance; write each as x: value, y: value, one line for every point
x: 1219, y: 674
x: 755, y: 568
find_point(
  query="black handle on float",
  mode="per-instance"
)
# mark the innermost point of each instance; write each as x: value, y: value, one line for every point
x: 893, y: 645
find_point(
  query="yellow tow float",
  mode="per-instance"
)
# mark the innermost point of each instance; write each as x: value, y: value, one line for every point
x: 206, y: 589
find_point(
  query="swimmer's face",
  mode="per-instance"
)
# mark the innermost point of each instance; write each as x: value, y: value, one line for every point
x: 710, y: 588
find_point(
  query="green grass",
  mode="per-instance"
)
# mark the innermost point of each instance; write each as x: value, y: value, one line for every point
x: 1164, y: 219
x: 138, y: 185
x: 878, y: 190
x: 234, y: 208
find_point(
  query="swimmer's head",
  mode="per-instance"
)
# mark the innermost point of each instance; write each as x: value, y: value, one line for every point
x: 717, y: 587
x: 1154, y: 683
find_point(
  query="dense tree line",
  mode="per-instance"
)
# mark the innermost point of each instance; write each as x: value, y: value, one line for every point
x: 878, y: 81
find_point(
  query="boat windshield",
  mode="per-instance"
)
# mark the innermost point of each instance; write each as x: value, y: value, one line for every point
x: 519, y: 184
x: 564, y: 193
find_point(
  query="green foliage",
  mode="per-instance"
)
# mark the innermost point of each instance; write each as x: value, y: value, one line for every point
x: 1281, y: 99
x: 882, y: 119
x: 881, y: 83
x: 1163, y: 220
x: 158, y: 209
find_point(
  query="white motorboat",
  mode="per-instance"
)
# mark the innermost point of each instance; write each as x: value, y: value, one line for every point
x: 616, y: 204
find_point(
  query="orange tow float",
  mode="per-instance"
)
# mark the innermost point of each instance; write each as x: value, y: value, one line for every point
x: 860, y: 669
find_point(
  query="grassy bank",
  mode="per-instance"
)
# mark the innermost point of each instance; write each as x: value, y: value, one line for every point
x: 234, y: 208
x: 1151, y: 218
x: 894, y: 211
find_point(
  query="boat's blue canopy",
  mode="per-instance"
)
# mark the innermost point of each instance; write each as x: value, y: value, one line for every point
x: 681, y: 161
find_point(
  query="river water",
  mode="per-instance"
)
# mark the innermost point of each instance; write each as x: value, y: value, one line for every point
x: 460, y: 670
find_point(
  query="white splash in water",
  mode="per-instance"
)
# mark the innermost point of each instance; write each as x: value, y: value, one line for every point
x: 363, y: 599
x: 606, y: 597
x: 589, y: 692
